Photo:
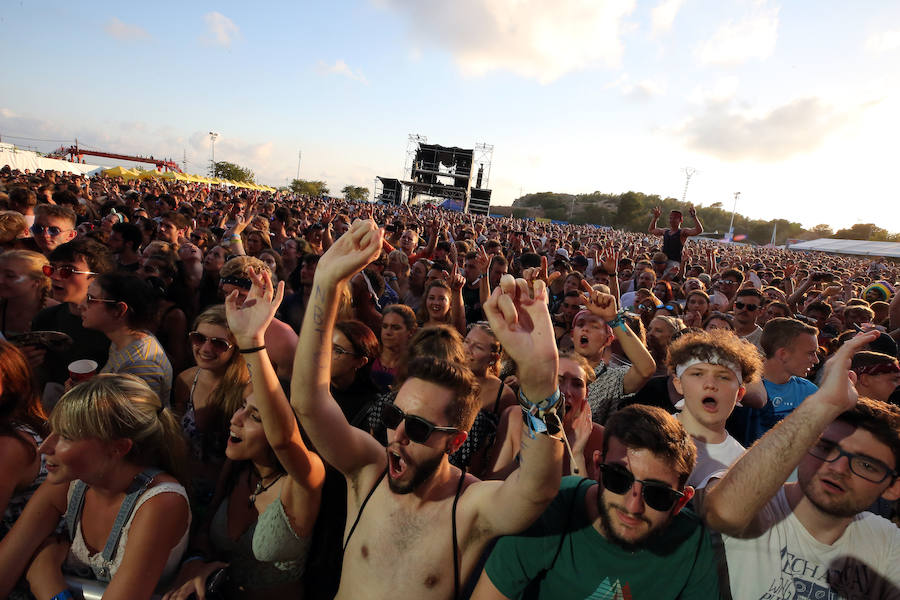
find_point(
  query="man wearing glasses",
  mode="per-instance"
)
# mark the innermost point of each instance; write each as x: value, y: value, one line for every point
x: 814, y: 538
x: 53, y: 226
x: 72, y: 268
x: 624, y: 537
x: 747, y: 304
x: 417, y: 526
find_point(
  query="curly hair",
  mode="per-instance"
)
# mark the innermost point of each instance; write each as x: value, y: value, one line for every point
x: 705, y: 345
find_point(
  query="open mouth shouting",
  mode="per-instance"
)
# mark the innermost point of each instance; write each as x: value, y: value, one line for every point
x: 710, y: 404
x: 396, y: 464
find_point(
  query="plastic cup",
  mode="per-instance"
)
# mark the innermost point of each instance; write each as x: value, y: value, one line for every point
x: 82, y: 370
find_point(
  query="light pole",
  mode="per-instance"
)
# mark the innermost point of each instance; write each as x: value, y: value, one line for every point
x: 299, y: 156
x: 733, y: 210
x: 212, y: 143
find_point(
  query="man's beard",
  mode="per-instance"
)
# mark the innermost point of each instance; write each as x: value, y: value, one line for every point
x: 423, y: 472
x: 838, y: 509
x: 610, y: 534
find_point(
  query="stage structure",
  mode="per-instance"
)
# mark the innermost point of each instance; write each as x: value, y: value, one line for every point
x: 441, y: 174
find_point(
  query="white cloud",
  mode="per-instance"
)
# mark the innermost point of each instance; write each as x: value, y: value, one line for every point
x: 220, y: 29
x: 663, y: 15
x: 721, y: 90
x: 736, y: 42
x: 123, y: 31
x: 640, y: 91
x: 884, y: 41
x: 6, y: 113
x: 732, y: 134
x: 532, y: 38
x: 341, y: 68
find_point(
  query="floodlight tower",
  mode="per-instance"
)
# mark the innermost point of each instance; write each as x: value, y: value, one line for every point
x: 212, y: 148
x: 688, y: 173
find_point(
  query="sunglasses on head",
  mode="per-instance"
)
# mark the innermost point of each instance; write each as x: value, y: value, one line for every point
x: 657, y: 496
x: 417, y: 428
x: 748, y: 307
x: 241, y: 282
x: 53, y: 230
x: 64, y: 271
x: 219, y: 345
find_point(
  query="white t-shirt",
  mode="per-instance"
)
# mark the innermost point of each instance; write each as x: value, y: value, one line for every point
x: 713, y: 459
x: 786, y: 562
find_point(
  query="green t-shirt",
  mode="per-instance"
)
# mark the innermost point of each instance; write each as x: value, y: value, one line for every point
x: 677, y: 564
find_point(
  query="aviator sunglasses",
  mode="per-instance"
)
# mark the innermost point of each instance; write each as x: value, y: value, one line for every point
x: 657, y: 496
x: 219, y: 345
x: 53, y: 230
x: 64, y: 271
x: 749, y: 307
x: 417, y: 428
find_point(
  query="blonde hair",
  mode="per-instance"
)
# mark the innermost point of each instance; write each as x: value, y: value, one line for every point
x: 12, y: 225
x: 228, y: 395
x: 111, y: 407
x: 34, y: 264
x: 241, y: 265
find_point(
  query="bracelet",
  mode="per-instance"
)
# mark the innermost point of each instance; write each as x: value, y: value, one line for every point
x: 193, y: 558
x: 619, y: 321
x: 252, y: 350
x: 541, y: 417
x: 66, y: 594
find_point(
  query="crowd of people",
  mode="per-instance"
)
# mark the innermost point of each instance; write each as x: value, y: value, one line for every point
x: 223, y: 393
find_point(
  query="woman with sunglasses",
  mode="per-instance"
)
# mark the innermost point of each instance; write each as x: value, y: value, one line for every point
x: 115, y: 462
x: 262, y: 524
x: 123, y: 307
x: 207, y: 395
x: 24, y: 290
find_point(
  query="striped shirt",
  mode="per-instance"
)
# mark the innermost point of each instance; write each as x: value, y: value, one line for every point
x: 144, y: 358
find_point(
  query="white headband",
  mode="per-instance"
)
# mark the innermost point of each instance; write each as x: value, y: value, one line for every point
x: 713, y: 359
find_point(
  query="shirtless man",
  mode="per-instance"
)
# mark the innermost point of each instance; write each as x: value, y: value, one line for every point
x: 421, y: 532
x: 675, y: 237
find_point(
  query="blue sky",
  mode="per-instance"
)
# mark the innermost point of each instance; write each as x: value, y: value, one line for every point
x: 795, y: 105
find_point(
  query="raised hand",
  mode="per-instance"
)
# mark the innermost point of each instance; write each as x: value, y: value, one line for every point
x: 351, y: 253
x: 520, y: 319
x: 248, y: 322
x: 838, y: 382
x: 657, y: 211
x: 600, y: 304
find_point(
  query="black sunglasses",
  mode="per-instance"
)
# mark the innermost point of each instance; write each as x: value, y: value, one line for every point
x: 241, y: 282
x: 657, y: 496
x: 219, y: 345
x: 64, y: 271
x: 749, y: 307
x: 53, y: 230
x: 417, y: 428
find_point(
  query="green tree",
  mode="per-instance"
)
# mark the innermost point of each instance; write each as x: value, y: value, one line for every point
x: 355, y: 193
x: 822, y: 230
x: 226, y: 170
x: 309, y: 188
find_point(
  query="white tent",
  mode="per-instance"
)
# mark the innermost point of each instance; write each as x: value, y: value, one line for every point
x: 858, y: 247
x: 24, y: 160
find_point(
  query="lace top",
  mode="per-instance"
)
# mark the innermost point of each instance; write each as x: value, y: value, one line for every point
x: 269, y: 552
x: 83, y: 564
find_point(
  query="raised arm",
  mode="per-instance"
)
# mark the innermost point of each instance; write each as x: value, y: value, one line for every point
x: 522, y: 324
x: 733, y: 505
x: 340, y: 444
x: 642, y: 364
x: 697, y: 229
x: 248, y: 324
x: 653, y: 228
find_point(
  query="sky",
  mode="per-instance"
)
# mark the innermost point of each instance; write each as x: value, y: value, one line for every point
x: 795, y: 105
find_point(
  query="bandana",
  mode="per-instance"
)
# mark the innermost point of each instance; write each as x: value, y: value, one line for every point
x: 879, y: 369
x: 714, y: 359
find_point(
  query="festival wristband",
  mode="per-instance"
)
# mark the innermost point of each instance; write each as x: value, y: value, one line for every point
x: 252, y: 350
x: 619, y: 321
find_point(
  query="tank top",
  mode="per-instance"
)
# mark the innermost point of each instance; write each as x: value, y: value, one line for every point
x: 672, y: 244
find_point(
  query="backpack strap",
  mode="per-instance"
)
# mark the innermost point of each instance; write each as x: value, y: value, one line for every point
x: 361, y: 508
x: 462, y: 478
